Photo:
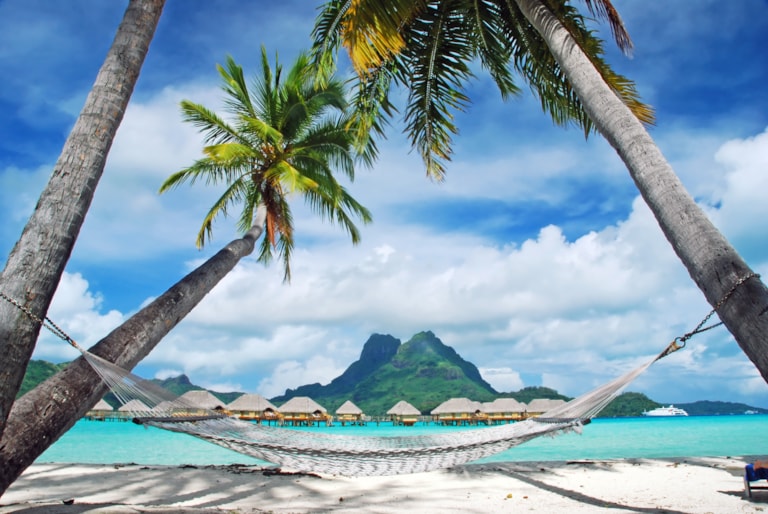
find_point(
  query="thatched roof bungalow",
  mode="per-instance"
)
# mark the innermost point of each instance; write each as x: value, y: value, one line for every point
x: 459, y: 411
x: 102, y: 405
x: 164, y: 408
x: 349, y: 413
x: 202, y: 400
x: 99, y: 411
x: 253, y: 407
x: 539, y: 406
x: 403, y: 413
x: 133, y: 406
x: 504, y: 409
x: 303, y: 410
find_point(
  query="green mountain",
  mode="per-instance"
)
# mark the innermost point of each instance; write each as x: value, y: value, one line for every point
x: 710, y: 408
x: 628, y: 405
x: 38, y: 371
x: 423, y: 371
x: 526, y: 394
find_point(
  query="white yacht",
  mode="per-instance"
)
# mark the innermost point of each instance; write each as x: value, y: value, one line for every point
x: 665, y: 411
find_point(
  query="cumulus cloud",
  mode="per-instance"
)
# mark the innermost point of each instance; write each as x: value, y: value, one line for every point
x: 79, y: 312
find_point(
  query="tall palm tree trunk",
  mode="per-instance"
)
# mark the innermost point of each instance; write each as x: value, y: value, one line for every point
x: 38, y: 259
x: 42, y: 415
x: 711, y: 261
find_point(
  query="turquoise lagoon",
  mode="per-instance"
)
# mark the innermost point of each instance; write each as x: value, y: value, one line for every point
x: 98, y: 442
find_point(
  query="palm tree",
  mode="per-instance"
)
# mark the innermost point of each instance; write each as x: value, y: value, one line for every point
x: 286, y: 136
x: 427, y: 44
x: 38, y: 259
x: 45, y: 413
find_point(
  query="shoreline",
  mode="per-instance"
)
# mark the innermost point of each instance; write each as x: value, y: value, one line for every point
x: 682, y: 485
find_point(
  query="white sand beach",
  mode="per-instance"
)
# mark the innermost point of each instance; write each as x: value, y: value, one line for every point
x: 692, y: 485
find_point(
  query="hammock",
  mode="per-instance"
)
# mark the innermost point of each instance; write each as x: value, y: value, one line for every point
x: 313, y: 452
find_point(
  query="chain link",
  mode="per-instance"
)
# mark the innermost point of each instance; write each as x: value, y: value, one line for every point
x: 45, y: 322
x: 726, y: 296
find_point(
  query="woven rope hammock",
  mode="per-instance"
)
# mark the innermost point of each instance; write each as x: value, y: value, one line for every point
x: 153, y: 406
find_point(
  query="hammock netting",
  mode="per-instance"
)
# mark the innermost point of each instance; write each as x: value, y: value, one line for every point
x: 347, y: 455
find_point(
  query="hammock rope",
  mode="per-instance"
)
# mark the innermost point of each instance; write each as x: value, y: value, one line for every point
x: 351, y: 455
x: 151, y: 405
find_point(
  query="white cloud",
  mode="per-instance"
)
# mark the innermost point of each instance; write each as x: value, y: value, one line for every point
x: 78, y: 312
x: 503, y: 379
x: 313, y: 370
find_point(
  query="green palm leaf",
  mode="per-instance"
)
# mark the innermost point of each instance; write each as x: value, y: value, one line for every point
x: 428, y: 46
x: 288, y: 134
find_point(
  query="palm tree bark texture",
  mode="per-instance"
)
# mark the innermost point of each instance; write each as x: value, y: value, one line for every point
x: 45, y: 413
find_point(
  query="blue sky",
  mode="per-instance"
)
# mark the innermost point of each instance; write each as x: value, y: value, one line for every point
x: 536, y: 260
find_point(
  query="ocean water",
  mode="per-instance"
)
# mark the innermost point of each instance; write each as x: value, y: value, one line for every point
x: 98, y: 442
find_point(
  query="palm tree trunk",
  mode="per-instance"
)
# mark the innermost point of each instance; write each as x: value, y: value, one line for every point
x: 712, y: 262
x: 41, y: 416
x: 38, y: 259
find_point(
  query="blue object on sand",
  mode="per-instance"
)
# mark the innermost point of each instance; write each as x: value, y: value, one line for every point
x: 753, y: 475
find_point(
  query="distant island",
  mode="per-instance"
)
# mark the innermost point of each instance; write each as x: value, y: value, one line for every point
x: 422, y: 371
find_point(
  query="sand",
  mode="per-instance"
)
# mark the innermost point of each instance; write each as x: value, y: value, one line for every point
x: 691, y: 485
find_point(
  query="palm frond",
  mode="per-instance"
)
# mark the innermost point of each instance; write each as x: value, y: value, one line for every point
x: 534, y: 62
x: 207, y: 170
x: 238, y: 98
x: 492, y: 47
x: 593, y: 49
x: 261, y: 131
x: 371, y: 30
x: 438, y: 55
x: 604, y: 9
x: 371, y: 113
x: 326, y: 39
x: 231, y: 196
x: 292, y: 179
x: 215, y: 128
x: 231, y: 155
x: 333, y: 202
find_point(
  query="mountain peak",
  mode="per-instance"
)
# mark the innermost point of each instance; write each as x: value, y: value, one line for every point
x: 424, y: 372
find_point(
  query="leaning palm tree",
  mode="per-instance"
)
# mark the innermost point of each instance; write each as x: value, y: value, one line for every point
x: 286, y: 136
x: 45, y: 413
x: 427, y: 46
x: 35, y: 265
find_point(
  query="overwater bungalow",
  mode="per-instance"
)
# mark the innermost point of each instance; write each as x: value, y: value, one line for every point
x: 349, y: 413
x: 198, y: 402
x: 539, y: 406
x: 459, y: 411
x: 303, y: 410
x: 132, y: 407
x: 504, y: 410
x: 254, y: 407
x: 101, y: 411
x: 403, y: 413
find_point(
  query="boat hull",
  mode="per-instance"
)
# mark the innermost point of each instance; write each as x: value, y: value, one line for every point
x: 665, y: 412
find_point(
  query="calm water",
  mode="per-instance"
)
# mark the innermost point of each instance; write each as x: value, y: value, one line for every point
x: 95, y: 442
